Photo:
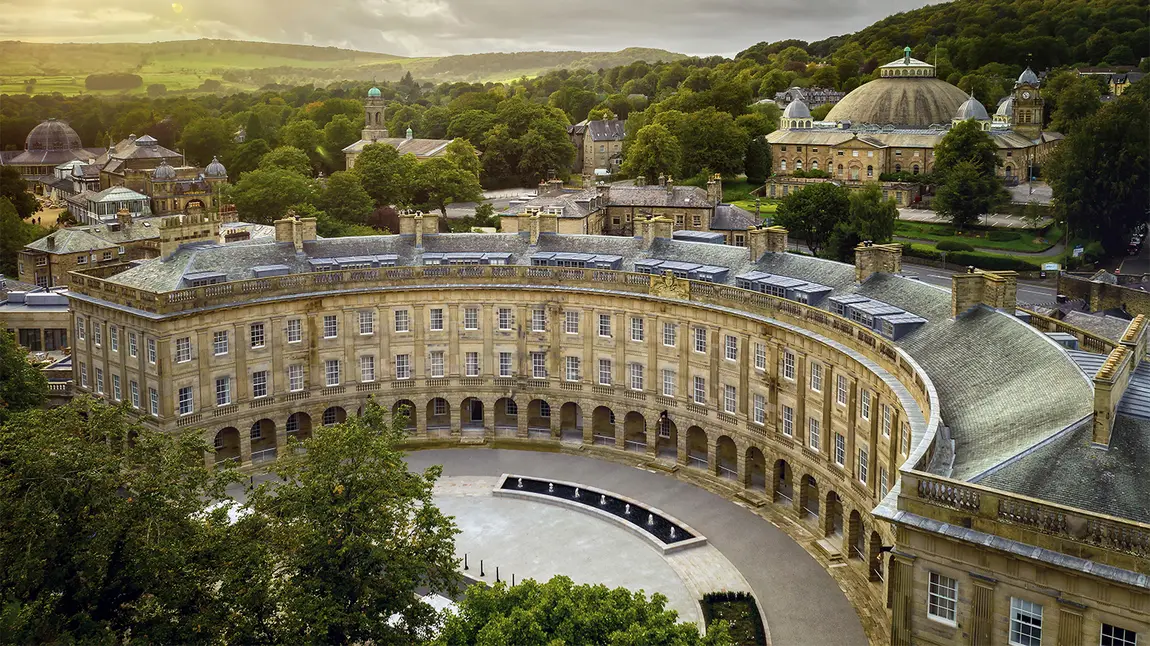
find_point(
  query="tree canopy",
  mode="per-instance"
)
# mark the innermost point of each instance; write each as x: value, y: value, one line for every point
x: 22, y: 385
x: 965, y: 164
x: 265, y: 194
x: 813, y: 212
x: 655, y: 152
x: 14, y: 188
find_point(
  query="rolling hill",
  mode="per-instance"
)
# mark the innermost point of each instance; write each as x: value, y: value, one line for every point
x: 243, y: 65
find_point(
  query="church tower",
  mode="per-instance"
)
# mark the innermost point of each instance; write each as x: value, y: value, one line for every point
x: 1027, y: 105
x: 375, y: 116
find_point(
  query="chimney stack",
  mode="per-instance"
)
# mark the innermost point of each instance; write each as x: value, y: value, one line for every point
x: 534, y: 229
x: 873, y: 258
x: 996, y: 289
x: 295, y: 230
x: 761, y: 240
x: 51, y: 242
x: 715, y: 189
x: 123, y: 218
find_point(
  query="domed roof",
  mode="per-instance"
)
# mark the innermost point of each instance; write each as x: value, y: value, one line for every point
x: 916, y: 102
x: 374, y: 92
x: 164, y: 172
x: 1006, y: 107
x: 797, y: 110
x: 1027, y: 76
x: 52, y: 135
x: 215, y: 169
x: 972, y: 108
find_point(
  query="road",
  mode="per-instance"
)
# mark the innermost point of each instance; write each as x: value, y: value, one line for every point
x: 1030, y: 292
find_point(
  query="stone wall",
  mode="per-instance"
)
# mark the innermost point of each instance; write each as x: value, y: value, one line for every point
x: 1104, y: 296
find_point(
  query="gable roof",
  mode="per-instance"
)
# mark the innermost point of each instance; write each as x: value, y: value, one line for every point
x: 606, y: 129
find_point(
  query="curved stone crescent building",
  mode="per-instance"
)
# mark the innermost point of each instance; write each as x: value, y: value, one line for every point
x: 911, y: 430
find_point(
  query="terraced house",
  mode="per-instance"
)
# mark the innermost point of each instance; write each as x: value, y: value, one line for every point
x: 980, y: 483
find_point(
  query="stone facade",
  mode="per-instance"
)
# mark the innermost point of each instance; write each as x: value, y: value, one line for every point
x: 1125, y: 293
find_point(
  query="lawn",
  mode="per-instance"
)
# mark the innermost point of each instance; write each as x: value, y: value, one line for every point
x: 979, y: 238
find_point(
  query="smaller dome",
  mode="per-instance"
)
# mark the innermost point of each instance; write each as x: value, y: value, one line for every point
x: 1006, y: 108
x: 410, y: 134
x: 972, y: 109
x: 797, y: 110
x: 374, y: 93
x: 1028, y: 77
x: 163, y: 172
x: 215, y: 169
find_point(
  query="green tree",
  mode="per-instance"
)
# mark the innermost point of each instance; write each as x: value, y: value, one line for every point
x: 434, y: 122
x: 350, y: 536
x: 339, y: 133
x: 343, y: 197
x: 654, y: 152
x: 757, y: 162
x: 302, y: 134
x: 14, y: 234
x: 264, y: 195
x: 471, y: 125
x: 813, y: 212
x: 254, y: 128
x: 601, y: 113
x: 461, y: 153
x: 545, y: 148
x: 205, y: 138
x: 14, y: 188
x: 439, y: 182
x: 1099, y: 173
x: 966, y: 193
x: 869, y: 217
x: 574, y: 100
x: 501, y: 153
x: 710, y: 139
x: 966, y: 142
x: 560, y: 612
x: 247, y: 156
x: 386, y: 175
x: 22, y: 385
x: 288, y: 158
x: 1076, y: 102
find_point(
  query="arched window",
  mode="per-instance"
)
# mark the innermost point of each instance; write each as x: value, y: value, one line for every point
x: 814, y: 164
x: 1009, y: 172
x: 798, y: 164
x: 898, y: 168
x: 854, y: 173
x: 377, y: 117
x: 782, y: 164
x: 840, y: 169
x: 915, y: 169
x: 870, y: 171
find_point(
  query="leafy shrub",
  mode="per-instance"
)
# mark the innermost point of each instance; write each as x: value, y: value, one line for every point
x: 1003, y: 236
x: 978, y: 259
x: 813, y: 172
x: 949, y: 245
x: 113, y: 81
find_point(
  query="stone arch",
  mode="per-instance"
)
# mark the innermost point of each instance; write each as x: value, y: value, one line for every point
x: 798, y: 164
x: 696, y: 447
x: 874, y: 557
x: 405, y: 408
x: 539, y: 415
x: 635, y: 432
x: 298, y: 426
x: 814, y: 164
x: 263, y: 438
x: 726, y: 458
x: 571, y: 424
x: 227, y: 444
x: 471, y: 414
x: 506, y: 414
x: 855, y: 535
x: 809, y: 495
x: 666, y: 438
x: 193, y: 205
x: 438, y: 414
x: 914, y: 169
x: 755, y: 475
x: 833, y: 514
x: 602, y: 422
x: 898, y: 168
x: 783, y: 489
x: 333, y: 415
x: 840, y: 169
x: 869, y: 170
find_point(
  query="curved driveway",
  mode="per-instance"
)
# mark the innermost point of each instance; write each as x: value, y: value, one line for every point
x: 803, y: 604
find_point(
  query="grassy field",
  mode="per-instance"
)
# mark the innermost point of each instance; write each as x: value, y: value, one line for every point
x: 1028, y: 241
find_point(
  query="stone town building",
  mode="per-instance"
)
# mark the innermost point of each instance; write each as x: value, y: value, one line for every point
x: 893, y: 123
x: 616, y: 209
x: 974, y: 482
x: 1116, y: 79
x: 813, y: 97
x: 598, y: 146
x: 375, y: 132
x: 38, y: 318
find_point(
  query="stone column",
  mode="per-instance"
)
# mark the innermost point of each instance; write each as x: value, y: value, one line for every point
x: 557, y: 423
x: 420, y: 411
x: 245, y: 432
x: 489, y: 418
x: 521, y: 429
x: 901, y: 581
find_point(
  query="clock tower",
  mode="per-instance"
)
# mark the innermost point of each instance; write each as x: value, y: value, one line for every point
x: 1027, y: 105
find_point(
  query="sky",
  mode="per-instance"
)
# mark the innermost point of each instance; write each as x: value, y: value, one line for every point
x: 442, y: 27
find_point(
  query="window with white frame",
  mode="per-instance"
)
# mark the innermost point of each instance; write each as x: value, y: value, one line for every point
x: 842, y: 389
x: 539, y: 365
x: 817, y: 377
x: 80, y: 328
x: 505, y: 369
x: 669, y: 383
x: 572, y: 369
x: 571, y: 322
x: 904, y: 445
x: 294, y: 330
x: 700, y: 390
x: 814, y: 435
x: 83, y: 375
x: 435, y: 366
x: 257, y: 335
x: 223, y: 391
x: 636, y: 371
x: 97, y: 332
x: 436, y: 319
x: 330, y: 326
x: 403, y: 366
x: 220, y: 342
x: 788, y: 421
x: 367, y: 368
x: 731, y: 347
x: 134, y: 392
x: 840, y: 449
x: 886, y: 420
x: 538, y: 320
x: 331, y: 372
x: 133, y: 344
x: 471, y: 364
x: 183, y: 350
x: 545, y: 409
x: 863, y: 464
x: 402, y: 321
x: 510, y: 407
x: 471, y: 318
x: 260, y: 383
x: 256, y: 432
x: 117, y: 394
x: 1025, y: 623
x: 114, y: 338
x: 864, y: 404
x: 605, y: 372
x: 670, y: 334
x: 730, y: 399
x: 788, y: 365
x: 184, y: 403
x: 942, y: 598
x: 295, y: 377
x: 1115, y: 636
x: 882, y: 485
x: 637, y: 332
x: 605, y: 325
x: 152, y: 351
x: 439, y: 406
x: 506, y: 321
x: 154, y: 402
x: 367, y: 322
x: 700, y: 339
x: 760, y: 356
x: 100, y: 380
x: 759, y: 409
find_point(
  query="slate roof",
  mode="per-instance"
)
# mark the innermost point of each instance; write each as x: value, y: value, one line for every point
x: 73, y: 240
x: 1110, y: 327
x: 658, y: 196
x: 606, y: 129
x: 729, y: 217
x: 421, y: 148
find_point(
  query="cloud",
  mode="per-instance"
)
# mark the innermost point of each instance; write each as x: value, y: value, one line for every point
x: 438, y: 27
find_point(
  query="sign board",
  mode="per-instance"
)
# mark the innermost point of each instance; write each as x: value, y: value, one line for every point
x: 1078, y: 251
x: 1051, y: 266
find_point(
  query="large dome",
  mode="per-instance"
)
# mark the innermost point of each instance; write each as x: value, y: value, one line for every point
x: 52, y: 135
x: 916, y: 102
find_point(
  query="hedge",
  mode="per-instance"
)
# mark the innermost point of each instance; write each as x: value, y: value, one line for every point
x: 998, y: 235
x: 953, y: 245
x: 978, y: 259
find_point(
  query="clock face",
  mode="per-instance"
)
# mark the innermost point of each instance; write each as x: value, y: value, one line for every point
x: 1026, y: 95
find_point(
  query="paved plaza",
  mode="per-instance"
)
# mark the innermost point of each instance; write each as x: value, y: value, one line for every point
x: 802, y: 603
